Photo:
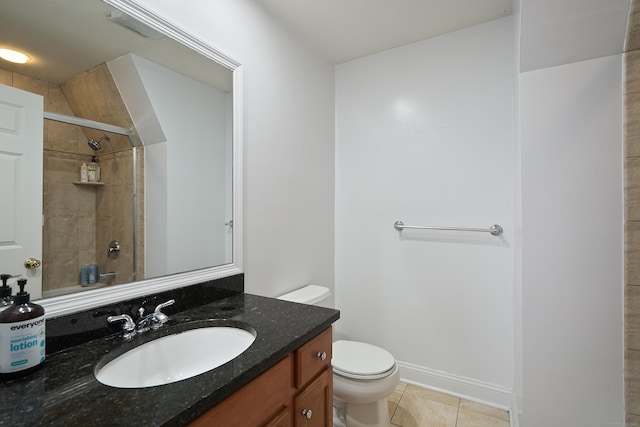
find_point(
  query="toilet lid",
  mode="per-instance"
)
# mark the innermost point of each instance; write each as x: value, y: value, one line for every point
x: 361, y: 359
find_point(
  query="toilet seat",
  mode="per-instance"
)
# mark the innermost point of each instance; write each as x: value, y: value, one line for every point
x: 358, y: 360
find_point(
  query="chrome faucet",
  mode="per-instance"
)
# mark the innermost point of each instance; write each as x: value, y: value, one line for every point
x: 129, y: 326
x: 159, y: 315
x: 151, y: 321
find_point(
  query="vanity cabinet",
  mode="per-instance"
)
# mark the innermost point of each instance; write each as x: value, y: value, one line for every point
x: 296, y: 392
x: 313, y: 405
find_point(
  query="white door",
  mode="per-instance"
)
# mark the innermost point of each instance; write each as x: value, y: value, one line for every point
x: 21, y: 123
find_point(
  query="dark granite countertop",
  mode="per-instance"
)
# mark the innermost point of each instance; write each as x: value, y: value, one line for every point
x: 64, y: 391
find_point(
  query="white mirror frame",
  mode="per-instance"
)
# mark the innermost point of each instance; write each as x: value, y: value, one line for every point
x: 67, y: 304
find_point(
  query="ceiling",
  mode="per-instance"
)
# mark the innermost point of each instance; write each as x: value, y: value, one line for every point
x: 67, y: 37
x: 552, y: 32
x: 343, y: 30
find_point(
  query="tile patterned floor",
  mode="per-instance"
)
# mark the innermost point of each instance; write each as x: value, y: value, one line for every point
x: 411, y: 406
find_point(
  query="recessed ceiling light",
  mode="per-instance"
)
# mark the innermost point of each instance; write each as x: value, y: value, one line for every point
x: 13, y: 56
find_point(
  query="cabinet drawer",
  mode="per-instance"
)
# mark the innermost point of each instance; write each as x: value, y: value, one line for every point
x: 313, y: 406
x: 312, y: 357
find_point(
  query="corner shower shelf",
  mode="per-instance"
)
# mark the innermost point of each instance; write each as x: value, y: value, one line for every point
x: 89, y: 183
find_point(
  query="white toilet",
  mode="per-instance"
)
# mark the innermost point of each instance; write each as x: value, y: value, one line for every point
x: 364, y: 375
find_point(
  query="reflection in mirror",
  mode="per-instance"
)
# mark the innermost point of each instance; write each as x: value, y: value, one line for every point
x: 156, y: 120
x: 85, y: 206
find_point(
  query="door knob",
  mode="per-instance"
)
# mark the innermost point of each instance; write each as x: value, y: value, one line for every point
x: 31, y: 263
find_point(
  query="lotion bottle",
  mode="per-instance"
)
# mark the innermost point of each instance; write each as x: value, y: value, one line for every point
x: 22, y: 334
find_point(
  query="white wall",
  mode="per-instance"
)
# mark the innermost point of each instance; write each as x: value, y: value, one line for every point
x: 197, y: 136
x: 571, y: 122
x: 288, y: 136
x: 424, y: 134
x: 156, y: 210
x: 557, y: 32
x: 190, y: 121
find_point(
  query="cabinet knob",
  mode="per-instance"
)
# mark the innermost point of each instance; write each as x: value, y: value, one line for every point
x: 322, y: 356
x: 307, y: 413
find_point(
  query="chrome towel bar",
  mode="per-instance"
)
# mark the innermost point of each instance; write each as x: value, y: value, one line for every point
x: 495, y: 229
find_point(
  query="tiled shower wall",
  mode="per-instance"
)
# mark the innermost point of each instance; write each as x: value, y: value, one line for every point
x: 93, y: 94
x: 74, y: 213
x: 632, y: 218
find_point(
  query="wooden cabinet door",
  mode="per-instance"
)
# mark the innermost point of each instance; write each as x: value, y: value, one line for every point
x: 313, y: 407
x: 254, y: 403
x: 283, y: 419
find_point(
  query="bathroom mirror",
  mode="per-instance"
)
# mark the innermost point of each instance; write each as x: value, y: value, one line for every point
x: 159, y: 73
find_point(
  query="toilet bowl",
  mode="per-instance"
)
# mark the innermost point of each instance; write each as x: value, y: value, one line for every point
x: 364, y: 375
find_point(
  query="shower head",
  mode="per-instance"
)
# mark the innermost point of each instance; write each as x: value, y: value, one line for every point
x: 95, y: 145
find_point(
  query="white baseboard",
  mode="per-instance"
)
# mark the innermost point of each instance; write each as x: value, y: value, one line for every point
x: 466, y: 388
x: 516, y: 406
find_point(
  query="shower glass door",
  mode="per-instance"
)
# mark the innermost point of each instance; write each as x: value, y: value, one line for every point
x: 87, y: 208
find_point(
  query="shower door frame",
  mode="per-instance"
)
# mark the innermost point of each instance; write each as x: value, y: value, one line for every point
x: 79, y: 121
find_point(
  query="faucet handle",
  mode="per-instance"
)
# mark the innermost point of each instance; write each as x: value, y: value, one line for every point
x: 163, y: 305
x: 159, y: 315
x: 129, y: 324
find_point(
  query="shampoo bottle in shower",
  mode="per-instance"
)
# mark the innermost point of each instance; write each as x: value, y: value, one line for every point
x: 96, y: 167
x: 84, y: 174
x: 22, y: 334
x: 91, y: 172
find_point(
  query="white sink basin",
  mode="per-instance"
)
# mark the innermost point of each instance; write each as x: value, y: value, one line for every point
x: 175, y: 357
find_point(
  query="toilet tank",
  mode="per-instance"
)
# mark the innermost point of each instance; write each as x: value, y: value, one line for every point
x: 310, y: 294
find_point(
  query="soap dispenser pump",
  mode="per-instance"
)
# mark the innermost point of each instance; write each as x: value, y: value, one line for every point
x: 22, y: 334
x: 6, y: 300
